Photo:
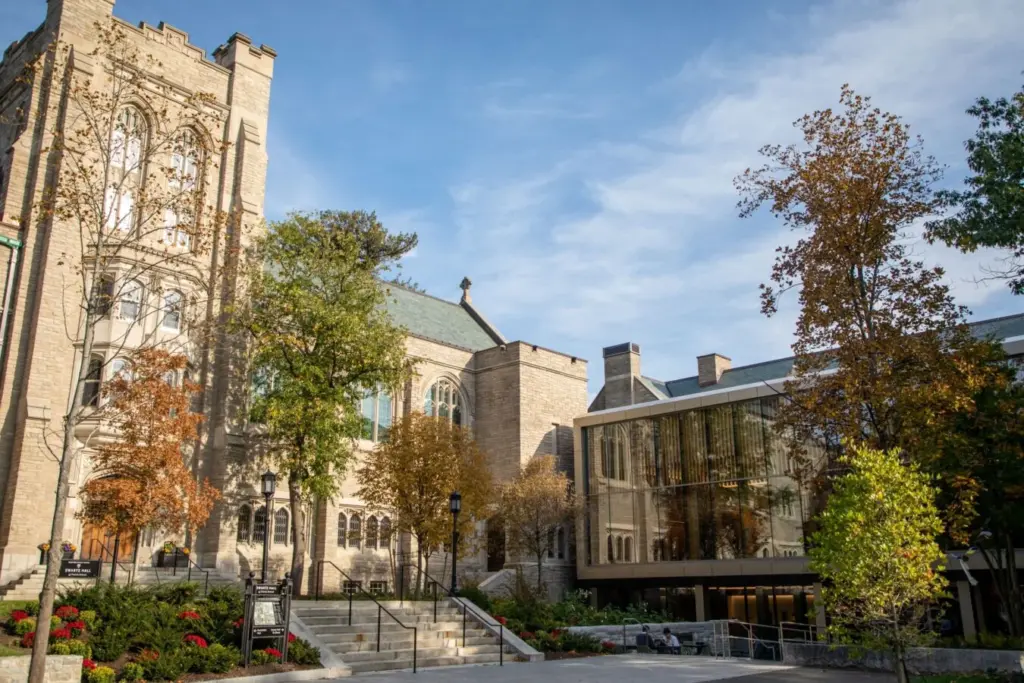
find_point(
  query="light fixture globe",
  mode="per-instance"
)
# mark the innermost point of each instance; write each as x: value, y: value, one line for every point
x: 455, y: 503
x: 269, y: 482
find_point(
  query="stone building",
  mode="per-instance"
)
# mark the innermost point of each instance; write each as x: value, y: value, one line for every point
x: 518, y: 398
x: 692, y: 503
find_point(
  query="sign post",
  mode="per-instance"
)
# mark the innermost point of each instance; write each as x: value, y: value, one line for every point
x: 267, y: 614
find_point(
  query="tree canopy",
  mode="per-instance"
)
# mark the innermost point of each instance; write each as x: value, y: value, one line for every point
x: 990, y: 210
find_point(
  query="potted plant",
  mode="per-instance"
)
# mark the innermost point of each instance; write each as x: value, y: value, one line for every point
x: 173, y: 556
x: 44, y: 552
x: 68, y: 549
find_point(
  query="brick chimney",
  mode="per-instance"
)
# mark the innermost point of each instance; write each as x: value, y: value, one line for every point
x: 621, y: 368
x: 711, y: 367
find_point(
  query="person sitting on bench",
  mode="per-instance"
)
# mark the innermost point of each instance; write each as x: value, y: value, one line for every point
x: 671, y: 642
x: 644, y: 641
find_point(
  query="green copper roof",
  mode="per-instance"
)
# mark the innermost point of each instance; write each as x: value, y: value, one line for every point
x: 995, y: 328
x: 432, y: 318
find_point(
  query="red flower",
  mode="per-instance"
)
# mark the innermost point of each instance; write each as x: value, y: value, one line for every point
x: 239, y: 621
x: 501, y: 620
x: 60, y: 634
x: 198, y: 641
x: 608, y: 645
x: 78, y: 626
x: 291, y: 637
x: 88, y: 664
x: 527, y: 635
x: 556, y: 632
x: 28, y: 639
x: 273, y: 652
x: 189, y: 615
x: 66, y: 612
x: 149, y: 655
x: 18, y: 614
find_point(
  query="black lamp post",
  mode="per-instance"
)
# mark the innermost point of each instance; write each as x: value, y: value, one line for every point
x: 455, y: 505
x: 269, y: 481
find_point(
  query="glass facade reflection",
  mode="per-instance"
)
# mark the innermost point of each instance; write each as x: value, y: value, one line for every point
x: 703, y: 484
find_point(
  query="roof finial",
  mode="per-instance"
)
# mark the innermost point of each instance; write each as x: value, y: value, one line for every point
x: 465, y: 285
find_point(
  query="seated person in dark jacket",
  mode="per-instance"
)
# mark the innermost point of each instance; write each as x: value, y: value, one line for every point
x: 644, y: 639
x: 671, y: 642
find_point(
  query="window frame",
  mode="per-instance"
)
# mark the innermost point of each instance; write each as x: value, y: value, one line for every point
x: 166, y: 309
x: 375, y: 421
x: 444, y: 394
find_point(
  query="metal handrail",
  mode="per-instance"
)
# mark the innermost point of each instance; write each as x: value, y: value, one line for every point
x: 752, y: 638
x: 190, y: 563
x: 401, y: 595
x: 625, y: 645
x: 380, y: 608
x: 130, y: 570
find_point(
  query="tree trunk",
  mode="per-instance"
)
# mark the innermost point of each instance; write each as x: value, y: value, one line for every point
x: 900, y: 665
x: 298, y: 535
x: 419, y: 565
x: 540, y: 563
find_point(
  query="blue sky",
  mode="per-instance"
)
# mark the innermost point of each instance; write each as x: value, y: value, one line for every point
x: 575, y: 158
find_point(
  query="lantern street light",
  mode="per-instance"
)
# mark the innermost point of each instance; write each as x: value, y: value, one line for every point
x: 455, y: 506
x: 269, y: 482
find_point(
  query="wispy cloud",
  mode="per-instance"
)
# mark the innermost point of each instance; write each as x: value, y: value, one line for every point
x: 637, y: 237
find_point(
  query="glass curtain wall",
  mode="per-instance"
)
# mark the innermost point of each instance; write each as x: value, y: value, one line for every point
x: 705, y: 484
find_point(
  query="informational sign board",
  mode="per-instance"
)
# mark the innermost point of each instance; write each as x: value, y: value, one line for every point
x: 267, y: 615
x: 79, y: 569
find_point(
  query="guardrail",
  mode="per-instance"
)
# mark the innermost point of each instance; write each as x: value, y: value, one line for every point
x: 106, y: 552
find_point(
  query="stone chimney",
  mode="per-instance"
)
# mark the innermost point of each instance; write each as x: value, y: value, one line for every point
x: 711, y: 367
x: 464, y: 286
x: 621, y: 368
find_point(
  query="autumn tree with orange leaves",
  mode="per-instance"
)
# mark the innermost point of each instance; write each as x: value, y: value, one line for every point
x: 141, y: 478
x: 884, y: 356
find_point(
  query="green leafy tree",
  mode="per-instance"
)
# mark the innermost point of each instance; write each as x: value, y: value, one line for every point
x: 991, y: 208
x: 321, y: 338
x: 878, y: 556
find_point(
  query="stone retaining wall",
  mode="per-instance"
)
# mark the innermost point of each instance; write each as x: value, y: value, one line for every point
x: 59, y: 669
x: 921, y: 660
x: 703, y: 631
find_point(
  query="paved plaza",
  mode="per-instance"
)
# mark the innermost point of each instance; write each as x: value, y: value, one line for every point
x: 629, y: 669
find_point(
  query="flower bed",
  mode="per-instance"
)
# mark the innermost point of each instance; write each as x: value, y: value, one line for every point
x: 130, y: 634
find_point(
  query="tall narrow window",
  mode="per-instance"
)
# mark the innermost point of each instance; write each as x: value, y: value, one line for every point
x: 244, y: 522
x: 172, y: 311
x: 126, y: 141
x: 444, y: 400
x: 131, y: 301
x: 91, y: 390
x: 180, y: 215
x: 355, y: 532
x: 551, y: 543
x: 342, y: 530
x: 118, y: 208
x: 560, y: 543
x: 259, y: 527
x: 103, y: 295
x: 618, y: 549
x: 281, y: 527
x: 371, y: 533
x: 628, y: 556
x: 367, y: 408
x: 385, y: 533
x: 375, y: 410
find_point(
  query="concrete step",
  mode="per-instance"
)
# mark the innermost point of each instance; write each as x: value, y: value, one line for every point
x: 423, y: 663
x: 386, y: 624
x: 425, y: 653
x: 393, y: 640
x: 344, y: 647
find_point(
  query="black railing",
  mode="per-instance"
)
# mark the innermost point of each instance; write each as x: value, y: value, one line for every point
x: 106, y: 552
x: 353, y: 587
x: 189, y: 562
x: 435, y: 585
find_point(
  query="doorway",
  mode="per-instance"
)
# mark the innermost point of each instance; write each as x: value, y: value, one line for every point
x: 98, y: 544
x: 495, y: 545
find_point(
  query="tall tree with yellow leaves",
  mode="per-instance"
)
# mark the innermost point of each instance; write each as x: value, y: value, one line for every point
x: 533, y: 506
x: 141, y: 478
x: 413, y: 473
x: 883, y: 355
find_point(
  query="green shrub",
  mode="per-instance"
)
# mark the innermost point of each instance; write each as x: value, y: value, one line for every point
x: 32, y: 608
x: 168, y: 666
x: 101, y: 674
x: 260, y: 657
x: 25, y: 626
x: 477, y: 597
x: 177, y: 594
x: 89, y: 618
x: 55, y: 622
x: 80, y: 648
x: 132, y: 671
x: 59, y: 649
x: 301, y: 652
x: 579, y: 642
x: 221, y: 658
x: 109, y: 642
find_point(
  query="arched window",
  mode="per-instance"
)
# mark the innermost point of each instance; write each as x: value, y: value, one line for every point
x: 131, y: 301
x: 611, y: 549
x: 180, y: 214
x: 244, y: 524
x: 618, y: 549
x: 342, y: 530
x: 172, y: 311
x: 560, y: 543
x: 371, y: 533
x: 628, y: 554
x: 551, y: 543
x: 281, y: 527
x: 126, y: 141
x: 259, y: 526
x: 764, y: 553
x: 385, y: 532
x: 355, y: 532
x: 444, y: 400
x: 91, y: 390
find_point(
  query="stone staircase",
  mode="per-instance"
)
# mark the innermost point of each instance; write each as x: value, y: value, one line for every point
x: 438, y: 643
x: 25, y: 588
x: 29, y: 585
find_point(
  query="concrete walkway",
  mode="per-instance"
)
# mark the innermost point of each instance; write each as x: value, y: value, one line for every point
x: 626, y: 669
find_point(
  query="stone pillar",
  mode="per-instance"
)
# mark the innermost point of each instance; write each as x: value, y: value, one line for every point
x: 700, y: 597
x: 963, y: 594
x: 819, y: 609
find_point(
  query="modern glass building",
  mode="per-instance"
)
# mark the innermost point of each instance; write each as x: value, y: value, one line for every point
x: 693, y: 503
